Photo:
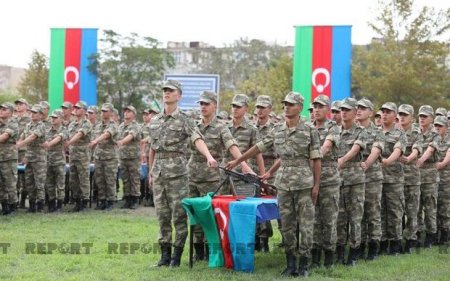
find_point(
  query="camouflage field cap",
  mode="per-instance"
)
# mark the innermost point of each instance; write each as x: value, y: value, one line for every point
x: 223, y: 115
x: 441, y: 111
x: 92, y: 109
x: 36, y: 109
x: 240, y: 100
x: 208, y: 97
x: 264, y: 101
x: 349, y: 103
x: 365, y: 103
x: 406, y: 108
x: 322, y: 99
x: 107, y: 107
x: 8, y: 105
x: 67, y: 104
x: 44, y: 104
x: 426, y: 110
x: 172, y: 84
x: 21, y: 100
x: 336, y: 105
x: 378, y: 114
x: 130, y: 108
x: 116, y: 112
x: 294, y: 98
x: 81, y: 104
x: 57, y: 113
x: 154, y: 109
x: 389, y: 106
x: 441, y: 120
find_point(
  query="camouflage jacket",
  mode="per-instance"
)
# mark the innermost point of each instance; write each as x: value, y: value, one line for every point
x: 268, y: 156
x: 351, y: 173
x: 131, y: 150
x: 145, y: 134
x: 394, y: 138
x: 428, y: 172
x: 80, y: 150
x: 8, y: 149
x: 55, y: 154
x: 295, y: 147
x: 443, y: 149
x: 106, y: 149
x: 375, y: 138
x: 35, y: 151
x: 22, y: 121
x: 413, y: 141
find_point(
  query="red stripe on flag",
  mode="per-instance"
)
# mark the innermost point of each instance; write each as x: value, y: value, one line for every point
x: 321, y: 61
x: 72, y: 65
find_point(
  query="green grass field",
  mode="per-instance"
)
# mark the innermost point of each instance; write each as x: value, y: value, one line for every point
x: 23, y: 258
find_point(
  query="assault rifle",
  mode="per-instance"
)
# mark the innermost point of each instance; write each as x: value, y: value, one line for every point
x: 261, y: 188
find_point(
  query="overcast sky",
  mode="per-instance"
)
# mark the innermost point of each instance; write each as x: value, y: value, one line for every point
x: 25, y: 25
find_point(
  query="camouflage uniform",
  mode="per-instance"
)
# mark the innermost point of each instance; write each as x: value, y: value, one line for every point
x: 21, y: 187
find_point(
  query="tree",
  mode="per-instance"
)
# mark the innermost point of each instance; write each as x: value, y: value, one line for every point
x: 130, y: 69
x: 407, y: 64
x: 34, y: 84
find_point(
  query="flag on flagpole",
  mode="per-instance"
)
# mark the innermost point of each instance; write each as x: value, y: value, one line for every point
x: 69, y: 77
x: 322, y: 62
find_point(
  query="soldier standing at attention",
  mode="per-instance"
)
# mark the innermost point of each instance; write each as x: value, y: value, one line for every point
x: 9, y: 130
x: 105, y: 157
x: 170, y: 132
x: 336, y: 112
x: 412, y: 174
x: 79, y: 138
x: 46, y: 120
x: 296, y: 143
x: 66, y: 108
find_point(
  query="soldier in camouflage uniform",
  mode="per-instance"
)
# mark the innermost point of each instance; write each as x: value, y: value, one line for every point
x: 393, y: 198
x: 429, y: 176
x: 66, y: 108
x: 336, y: 112
x: 56, y: 161
x: 327, y: 207
x: 412, y: 174
x: 9, y: 130
x: 22, y: 118
x: 128, y: 141
x: 36, y: 159
x: 298, y: 185
x: 79, y: 137
x: 371, y: 222
x: 440, y: 111
x: 170, y: 132
x: 377, y: 119
x: 105, y: 157
x: 352, y: 191
x: 46, y: 120
x: 443, y: 204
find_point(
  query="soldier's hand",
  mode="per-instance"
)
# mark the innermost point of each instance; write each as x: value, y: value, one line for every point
x: 231, y: 165
x: 92, y: 144
x: 314, y: 194
x: 150, y: 179
x: 212, y: 163
x: 119, y: 144
x: 246, y: 169
x: 45, y: 145
x: 439, y: 165
x: 340, y: 162
x: 364, y: 166
x: 266, y: 176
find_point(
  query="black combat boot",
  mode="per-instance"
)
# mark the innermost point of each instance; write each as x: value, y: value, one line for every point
x: 176, y: 256
x: 32, y: 207
x: 199, y: 251
x: 395, y: 247
x: 59, y: 204
x: 443, y: 239
x: 12, y: 208
x: 166, y: 253
x: 109, y: 205
x: 329, y: 258
x: 383, y: 247
x: 315, y: 257
x: 150, y: 202
x: 264, y: 242
x: 303, y: 266
x: 429, y: 240
x: 5, y: 207
x: 291, y: 268
x: 40, y: 206
x: 373, y: 250
x: 340, y: 252
x: 419, y: 242
x: 409, y: 246
x: 352, y: 256
x: 134, y: 202
x: 85, y: 205
x: 51, y: 207
x: 77, y: 206
x: 23, y: 197
x: 101, y: 205
x: 362, y: 251
x: 127, y: 203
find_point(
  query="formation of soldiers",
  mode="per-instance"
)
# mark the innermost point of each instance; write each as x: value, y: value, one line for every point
x: 374, y: 181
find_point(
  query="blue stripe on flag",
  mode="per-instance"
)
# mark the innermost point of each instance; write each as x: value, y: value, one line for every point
x: 88, y: 80
x: 341, y: 62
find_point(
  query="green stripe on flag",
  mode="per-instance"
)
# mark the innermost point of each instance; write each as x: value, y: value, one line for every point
x: 303, y: 64
x: 56, y: 73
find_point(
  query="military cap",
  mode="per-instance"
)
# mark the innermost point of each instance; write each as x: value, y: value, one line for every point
x: 130, y: 108
x: 322, y: 99
x: 390, y: 106
x: 57, y: 113
x: 349, y: 103
x: 36, y: 109
x: 92, y: 109
x: 154, y: 109
x: 172, y: 84
x: 441, y: 111
x: 8, y: 105
x: 223, y: 115
x: 264, y: 101
x: 365, y: 103
x: 378, y: 113
x: 336, y: 105
x: 67, y: 104
x: 294, y: 98
x: 441, y: 120
x: 44, y: 104
x: 406, y: 108
x: 240, y: 100
x: 208, y: 97
x: 107, y: 107
x: 116, y: 112
x: 81, y: 104
x: 21, y: 100
x: 426, y: 110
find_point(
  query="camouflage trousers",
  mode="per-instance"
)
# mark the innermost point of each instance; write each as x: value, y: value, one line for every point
x: 105, y: 178
x: 351, y: 210
x: 326, y: 213
x: 8, y: 179
x: 412, y: 200
x: 371, y: 221
x: 130, y: 172
x: 55, y: 182
x: 168, y: 194
x: 21, y: 176
x: 392, y: 209
x: 79, y: 179
x: 426, y: 217
x: 296, y: 206
x: 35, y: 173
x: 443, y: 204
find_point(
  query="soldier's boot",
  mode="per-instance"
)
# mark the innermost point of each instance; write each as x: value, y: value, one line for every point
x: 303, y: 266
x: 395, y: 247
x: 126, y: 205
x: 373, y: 250
x: 429, y: 240
x: 383, y: 247
x: 32, y: 207
x: 329, y: 258
x: 199, y: 251
x: 150, y: 202
x: 362, y: 251
x: 315, y: 258
x: 291, y: 266
x: 12, y: 208
x: 352, y: 256
x: 443, y: 238
x: 23, y: 197
x: 85, y: 205
x: 257, y: 244
x: 264, y: 241
x: 77, y: 206
x: 176, y: 256
x: 5, y: 207
x: 40, y: 206
x: 59, y: 204
x: 50, y: 207
x: 419, y: 243
x: 166, y: 253
x: 109, y: 205
x: 340, y: 251
x: 101, y: 205
x: 134, y: 202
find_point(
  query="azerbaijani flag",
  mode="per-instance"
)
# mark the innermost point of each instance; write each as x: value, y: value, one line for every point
x: 69, y: 77
x: 322, y: 62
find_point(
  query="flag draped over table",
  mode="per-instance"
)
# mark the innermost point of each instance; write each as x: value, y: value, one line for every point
x: 69, y: 78
x: 322, y: 62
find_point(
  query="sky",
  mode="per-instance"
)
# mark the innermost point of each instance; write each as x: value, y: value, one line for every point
x: 25, y: 25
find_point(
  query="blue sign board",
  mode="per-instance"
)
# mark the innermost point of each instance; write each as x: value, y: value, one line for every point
x: 193, y: 85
